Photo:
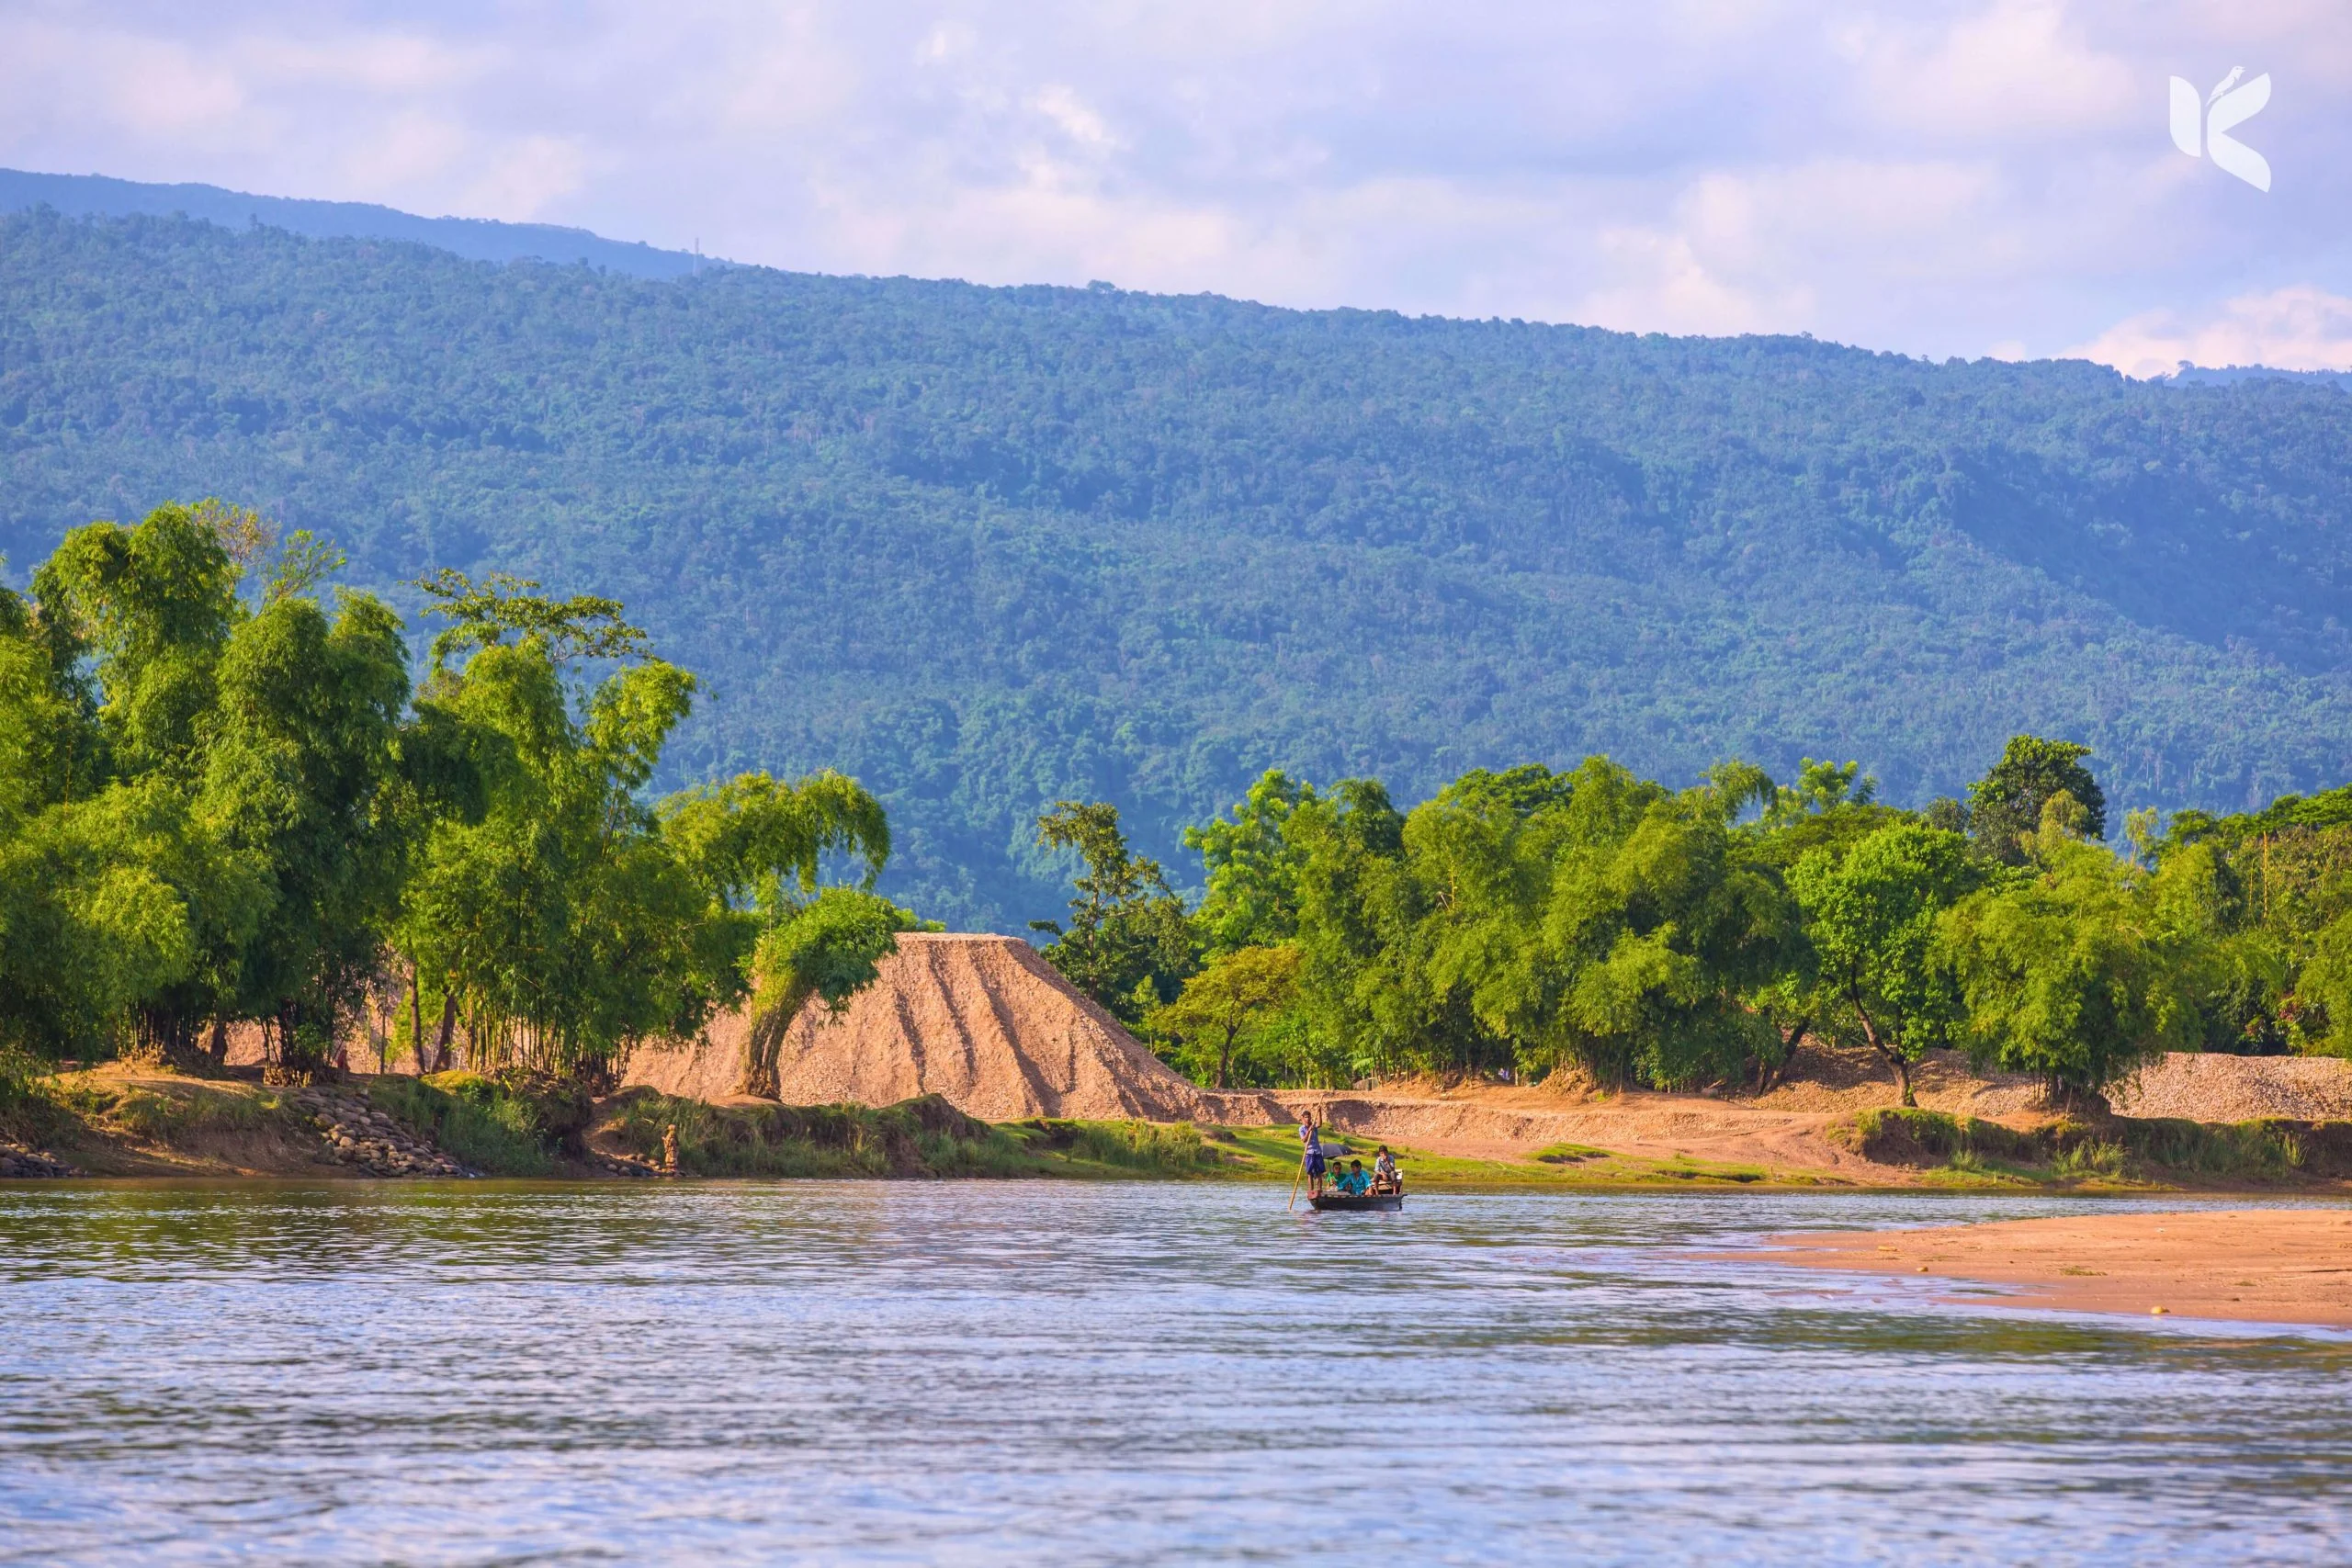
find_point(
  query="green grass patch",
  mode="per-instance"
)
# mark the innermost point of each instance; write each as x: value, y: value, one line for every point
x: 173, y: 1116
x: 1568, y: 1154
x: 1147, y: 1147
x: 1961, y: 1151
x: 487, y: 1126
x: 186, y: 1119
x: 919, y: 1138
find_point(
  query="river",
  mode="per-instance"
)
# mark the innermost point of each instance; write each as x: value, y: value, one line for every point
x: 1032, y: 1373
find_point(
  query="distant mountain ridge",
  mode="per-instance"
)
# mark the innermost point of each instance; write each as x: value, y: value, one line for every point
x: 991, y: 548
x: 2223, y: 374
x: 477, y: 239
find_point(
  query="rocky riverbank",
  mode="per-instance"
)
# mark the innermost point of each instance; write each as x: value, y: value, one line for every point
x: 359, y: 1136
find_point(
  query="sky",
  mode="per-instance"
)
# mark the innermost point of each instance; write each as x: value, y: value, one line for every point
x: 1937, y: 177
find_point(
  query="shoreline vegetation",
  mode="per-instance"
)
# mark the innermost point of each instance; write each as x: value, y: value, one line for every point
x: 232, y: 803
x: 131, y: 1121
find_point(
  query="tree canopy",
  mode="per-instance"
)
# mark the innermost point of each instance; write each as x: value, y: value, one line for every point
x: 224, y: 800
x: 1531, y: 923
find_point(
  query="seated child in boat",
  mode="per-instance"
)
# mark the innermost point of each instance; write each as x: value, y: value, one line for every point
x: 1355, y: 1183
x: 1385, y: 1177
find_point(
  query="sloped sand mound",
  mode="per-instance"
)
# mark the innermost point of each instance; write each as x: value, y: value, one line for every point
x: 982, y: 1020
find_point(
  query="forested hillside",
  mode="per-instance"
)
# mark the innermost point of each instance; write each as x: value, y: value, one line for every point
x: 987, y: 549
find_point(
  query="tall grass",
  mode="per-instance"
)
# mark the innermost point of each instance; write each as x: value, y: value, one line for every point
x: 2121, y: 1148
x: 487, y: 1127
x: 921, y: 1138
x: 29, y: 1111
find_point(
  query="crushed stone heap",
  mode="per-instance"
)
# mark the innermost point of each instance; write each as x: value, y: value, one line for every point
x: 982, y: 1020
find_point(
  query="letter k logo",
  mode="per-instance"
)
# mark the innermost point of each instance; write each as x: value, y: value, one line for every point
x: 2227, y: 106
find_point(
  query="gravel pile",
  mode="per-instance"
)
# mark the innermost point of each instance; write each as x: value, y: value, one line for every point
x: 981, y: 1020
x: 2206, y: 1086
x: 358, y: 1134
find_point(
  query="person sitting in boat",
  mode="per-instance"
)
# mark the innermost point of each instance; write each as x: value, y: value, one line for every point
x: 1384, y: 1176
x: 1355, y: 1183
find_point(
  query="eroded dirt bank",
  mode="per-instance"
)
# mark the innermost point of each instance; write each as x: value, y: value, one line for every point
x: 2252, y: 1265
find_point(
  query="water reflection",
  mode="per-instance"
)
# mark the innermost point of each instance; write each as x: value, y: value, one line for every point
x: 470, y: 1374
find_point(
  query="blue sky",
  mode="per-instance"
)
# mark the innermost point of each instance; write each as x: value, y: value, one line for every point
x: 1974, y: 177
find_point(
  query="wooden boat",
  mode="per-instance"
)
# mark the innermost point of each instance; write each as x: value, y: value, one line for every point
x: 1350, y: 1204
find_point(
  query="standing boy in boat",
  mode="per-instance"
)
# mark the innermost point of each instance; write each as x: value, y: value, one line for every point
x: 1311, y: 1155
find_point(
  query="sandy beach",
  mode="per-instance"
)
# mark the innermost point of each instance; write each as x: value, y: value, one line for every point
x: 2253, y: 1265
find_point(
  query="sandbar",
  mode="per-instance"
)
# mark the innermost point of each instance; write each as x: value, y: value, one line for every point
x: 2250, y: 1265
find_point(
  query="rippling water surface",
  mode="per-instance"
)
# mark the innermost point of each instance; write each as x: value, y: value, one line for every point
x: 1029, y: 1372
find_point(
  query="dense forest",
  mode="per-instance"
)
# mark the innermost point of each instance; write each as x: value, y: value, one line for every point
x: 229, y: 797
x: 1529, y: 921
x: 224, y: 800
x: 987, y: 550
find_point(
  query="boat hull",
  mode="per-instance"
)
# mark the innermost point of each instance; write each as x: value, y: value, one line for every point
x: 1348, y: 1203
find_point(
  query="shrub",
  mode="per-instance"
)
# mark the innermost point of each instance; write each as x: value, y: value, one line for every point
x: 487, y: 1126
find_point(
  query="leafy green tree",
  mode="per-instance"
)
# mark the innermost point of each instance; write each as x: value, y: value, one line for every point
x: 258, y: 741
x: 219, y: 799
x: 2324, y: 991
x: 1872, y: 914
x: 49, y: 742
x: 299, y: 764
x: 2072, y: 972
x: 2007, y: 804
x: 560, y: 926
x: 1594, y: 919
x: 1666, y: 934
x: 153, y: 603
x: 90, y: 927
x: 1128, y: 943
x: 758, y: 845
x: 1832, y: 807
x: 1236, y: 991
x: 1252, y: 868
x: 831, y: 948
x: 1367, y: 998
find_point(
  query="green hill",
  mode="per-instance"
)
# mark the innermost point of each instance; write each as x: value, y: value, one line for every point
x: 990, y: 547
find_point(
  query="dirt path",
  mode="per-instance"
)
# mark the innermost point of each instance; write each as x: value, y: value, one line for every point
x: 2253, y: 1265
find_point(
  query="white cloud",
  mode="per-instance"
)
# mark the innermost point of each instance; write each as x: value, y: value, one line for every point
x: 2297, y: 328
x: 1930, y: 176
x: 2019, y: 70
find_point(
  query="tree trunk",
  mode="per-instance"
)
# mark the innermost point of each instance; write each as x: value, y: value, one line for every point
x: 1791, y: 1038
x: 1224, y: 1060
x: 1894, y: 1058
x: 218, y: 1049
x: 417, y: 1018
x: 449, y: 1029
x: 763, y: 1041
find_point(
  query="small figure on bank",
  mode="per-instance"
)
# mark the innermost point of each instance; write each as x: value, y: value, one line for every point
x: 670, y: 1149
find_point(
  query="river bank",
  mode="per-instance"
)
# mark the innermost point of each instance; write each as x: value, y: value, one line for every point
x: 120, y: 1121
x: 2245, y: 1265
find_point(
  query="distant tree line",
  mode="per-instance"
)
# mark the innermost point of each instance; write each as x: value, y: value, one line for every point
x: 1534, y: 921
x: 225, y: 799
